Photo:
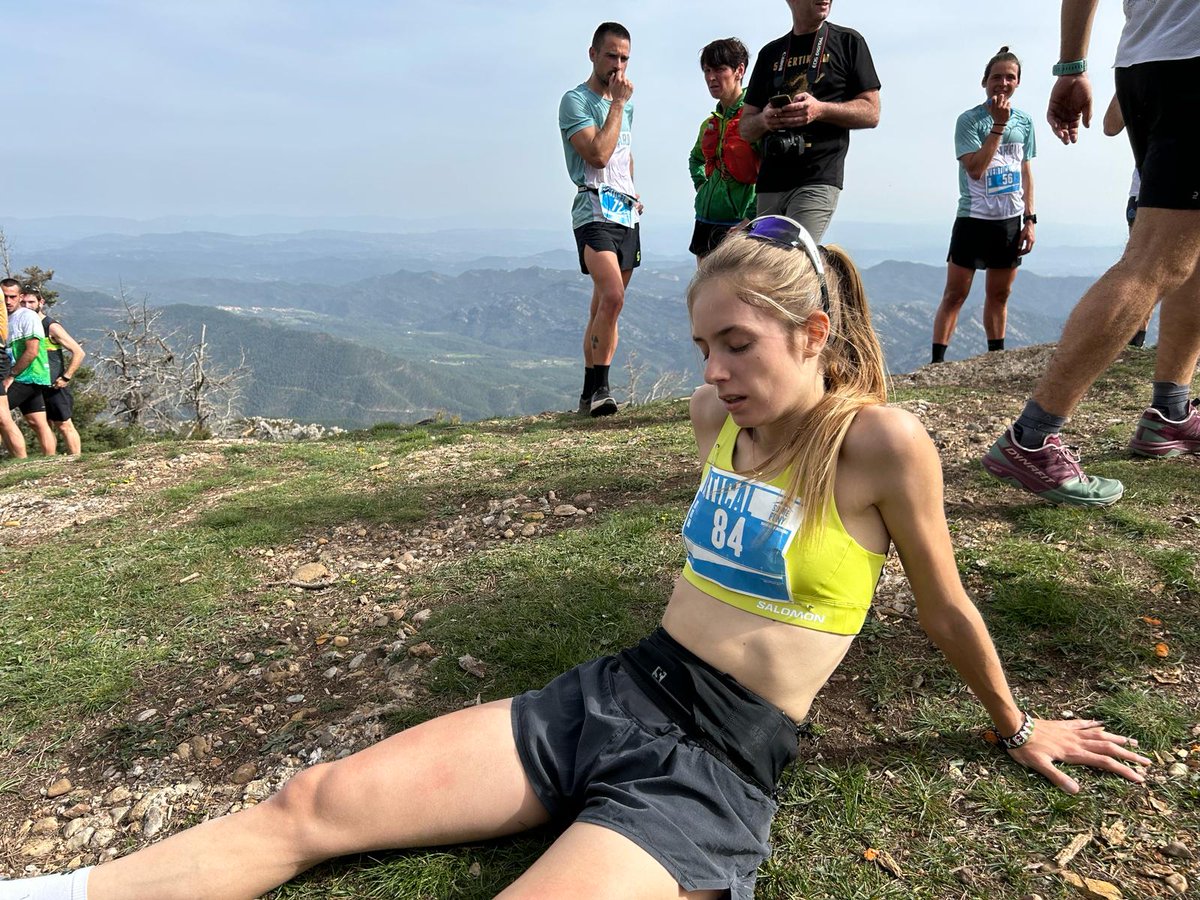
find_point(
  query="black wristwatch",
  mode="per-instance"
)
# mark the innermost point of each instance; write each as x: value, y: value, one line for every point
x: 1029, y: 217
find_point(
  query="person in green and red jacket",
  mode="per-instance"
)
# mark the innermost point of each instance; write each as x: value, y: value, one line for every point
x: 723, y: 164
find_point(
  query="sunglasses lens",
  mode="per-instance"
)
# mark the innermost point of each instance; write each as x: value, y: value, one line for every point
x: 775, y: 228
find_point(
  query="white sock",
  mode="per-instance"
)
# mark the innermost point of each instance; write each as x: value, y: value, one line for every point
x: 71, y: 886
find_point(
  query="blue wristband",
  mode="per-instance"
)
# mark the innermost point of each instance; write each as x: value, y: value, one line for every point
x: 1077, y: 67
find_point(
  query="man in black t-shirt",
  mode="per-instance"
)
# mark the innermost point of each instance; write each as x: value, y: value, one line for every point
x: 805, y: 140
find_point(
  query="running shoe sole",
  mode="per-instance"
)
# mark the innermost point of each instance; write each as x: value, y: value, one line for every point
x: 605, y: 407
x: 1057, y: 496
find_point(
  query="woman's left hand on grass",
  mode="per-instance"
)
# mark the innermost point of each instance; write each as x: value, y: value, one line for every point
x: 1077, y: 741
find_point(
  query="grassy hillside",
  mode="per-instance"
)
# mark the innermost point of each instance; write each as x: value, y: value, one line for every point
x: 160, y: 649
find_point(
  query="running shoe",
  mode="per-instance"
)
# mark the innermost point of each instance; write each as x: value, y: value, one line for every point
x: 585, y: 406
x: 1052, y: 472
x: 1157, y: 435
x: 602, y: 403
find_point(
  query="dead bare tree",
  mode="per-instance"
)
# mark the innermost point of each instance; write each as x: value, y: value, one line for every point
x: 668, y: 384
x: 209, y: 394
x: 138, y: 374
x: 5, y: 254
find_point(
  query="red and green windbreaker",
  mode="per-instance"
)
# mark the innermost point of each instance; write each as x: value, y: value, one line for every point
x: 724, y: 167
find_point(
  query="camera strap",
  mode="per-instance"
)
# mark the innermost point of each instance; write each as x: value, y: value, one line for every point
x: 815, y: 60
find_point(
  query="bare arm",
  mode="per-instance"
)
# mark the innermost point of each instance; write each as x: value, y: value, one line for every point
x: 64, y: 340
x: 708, y: 415
x: 1071, y: 96
x: 1027, y: 228
x: 1114, y: 121
x: 596, y: 145
x: 902, y: 465
x: 860, y: 112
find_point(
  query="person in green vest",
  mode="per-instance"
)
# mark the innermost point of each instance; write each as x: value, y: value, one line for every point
x: 723, y: 164
x: 30, y: 369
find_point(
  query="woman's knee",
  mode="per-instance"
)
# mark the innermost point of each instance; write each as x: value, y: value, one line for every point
x: 302, y: 810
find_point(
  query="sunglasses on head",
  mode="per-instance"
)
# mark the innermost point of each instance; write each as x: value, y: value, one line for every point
x: 789, y: 233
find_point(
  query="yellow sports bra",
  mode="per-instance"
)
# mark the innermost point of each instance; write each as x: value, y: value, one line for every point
x: 737, y: 554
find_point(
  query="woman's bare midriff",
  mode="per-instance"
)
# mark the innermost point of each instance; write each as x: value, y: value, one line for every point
x: 782, y: 663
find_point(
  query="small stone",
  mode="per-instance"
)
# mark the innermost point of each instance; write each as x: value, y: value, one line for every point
x: 332, y: 672
x: 423, y: 650
x: 357, y: 661
x: 1176, y: 882
x: 245, y: 658
x: 81, y: 838
x: 1177, y: 849
x: 509, y: 534
x: 311, y: 573
x: 341, y: 641
x: 38, y: 848
x: 244, y: 774
x: 565, y: 509
x: 476, y: 870
x: 295, y: 698
x: 103, y: 837
x: 48, y: 825
x: 118, y: 814
x: 472, y: 666
x: 79, y: 809
x: 59, y: 787
x: 1178, y: 770
x: 362, y: 532
x: 421, y: 617
x: 146, y: 714
x: 155, y: 818
x: 529, y: 531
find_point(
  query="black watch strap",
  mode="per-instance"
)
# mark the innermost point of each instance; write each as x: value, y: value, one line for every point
x: 1029, y: 217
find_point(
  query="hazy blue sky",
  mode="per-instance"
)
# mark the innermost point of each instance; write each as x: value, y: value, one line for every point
x: 447, y: 110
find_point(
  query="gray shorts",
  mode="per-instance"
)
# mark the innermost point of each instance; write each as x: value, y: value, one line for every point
x: 597, y: 749
x: 812, y: 205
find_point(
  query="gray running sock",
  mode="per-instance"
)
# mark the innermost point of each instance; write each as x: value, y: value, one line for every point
x: 1034, y: 425
x: 71, y: 886
x: 1171, y: 400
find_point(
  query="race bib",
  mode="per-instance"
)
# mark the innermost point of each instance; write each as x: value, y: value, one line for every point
x: 616, y: 206
x: 731, y: 539
x: 1003, y: 180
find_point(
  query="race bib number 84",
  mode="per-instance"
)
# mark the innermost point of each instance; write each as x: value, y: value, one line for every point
x: 731, y: 539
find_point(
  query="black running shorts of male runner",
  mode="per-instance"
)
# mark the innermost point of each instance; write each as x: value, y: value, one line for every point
x: 60, y: 403
x: 706, y: 236
x: 597, y: 749
x: 613, y: 238
x: 26, y: 397
x: 1158, y: 101
x: 985, y: 243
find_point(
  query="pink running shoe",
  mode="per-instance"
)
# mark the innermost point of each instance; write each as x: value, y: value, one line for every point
x: 1157, y: 435
x: 1051, y: 471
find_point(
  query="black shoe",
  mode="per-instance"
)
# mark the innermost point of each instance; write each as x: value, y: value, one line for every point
x: 585, y: 406
x: 602, y: 403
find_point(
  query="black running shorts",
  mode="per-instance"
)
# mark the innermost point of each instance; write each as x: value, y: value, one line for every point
x: 597, y: 749
x: 26, y: 397
x: 1159, y: 102
x: 612, y: 238
x: 985, y: 243
x: 60, y: 403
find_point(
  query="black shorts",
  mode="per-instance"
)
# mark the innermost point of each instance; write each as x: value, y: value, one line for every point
x: 1158, y: 100
x: 613, y: 238
x: 706, y: 236
x: 60, y: 403
x: 597, y: 748
x: 985, y: 243
x: 26, y: 397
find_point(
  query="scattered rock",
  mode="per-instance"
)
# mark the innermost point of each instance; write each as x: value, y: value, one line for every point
x: 39, y: 847
x: 423, y: 650
x: 244, y: 774
x: 1178, y: 770
x: 565, y: 509
x: 1176, y: 882
x: 312, y: 574
x: 1177, y: 849
x: 472, y: 666
x: 79, y: 809
x: 1092, y: 888
x: 59, y: 787
x: 146, y: 714
x: 341, y: 641
x: 47, y: 825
